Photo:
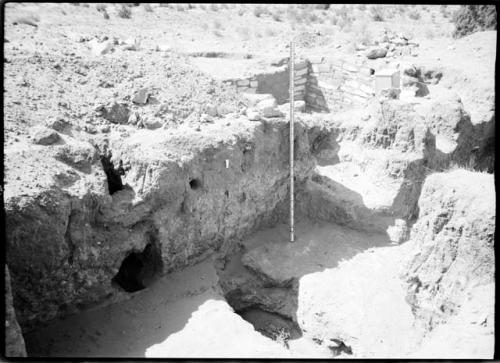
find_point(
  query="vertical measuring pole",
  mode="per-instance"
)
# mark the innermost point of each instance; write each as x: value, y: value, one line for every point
x: 292, y: 138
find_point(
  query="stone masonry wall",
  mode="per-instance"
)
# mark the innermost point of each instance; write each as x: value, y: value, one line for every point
x: 334, y: 84
x: 276, y: 82
x: 325, y: 84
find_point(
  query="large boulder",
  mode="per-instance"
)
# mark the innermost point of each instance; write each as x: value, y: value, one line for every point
x: 268, y: 108
x: 141, y: 96
x: 117, y: 113
x: 78, y: 154
x: 44, y: 136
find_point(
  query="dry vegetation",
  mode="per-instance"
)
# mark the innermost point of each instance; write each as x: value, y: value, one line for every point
x: 361, y: 23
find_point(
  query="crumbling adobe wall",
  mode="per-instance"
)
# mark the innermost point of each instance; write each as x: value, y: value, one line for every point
x: 452, y: 245
x: 374, y: 168
x: 64, y: 248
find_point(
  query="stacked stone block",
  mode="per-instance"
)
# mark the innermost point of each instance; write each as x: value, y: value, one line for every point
x: 335, y: 84
x: 300, y: 80
x: 248, y: 85
x: 276, y: 82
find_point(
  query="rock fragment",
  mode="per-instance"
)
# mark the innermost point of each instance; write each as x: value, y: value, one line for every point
x: 376, y: 53
x: 57, y: 123
x: 152, y: 124
x: 117, y: 113
x: 268, y: 108
x: 398, y: 233
x: 97, y: 48
x: 44, y: 136
x: 141, y: 96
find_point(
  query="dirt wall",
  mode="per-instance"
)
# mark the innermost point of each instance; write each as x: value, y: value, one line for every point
x: 64, y: 250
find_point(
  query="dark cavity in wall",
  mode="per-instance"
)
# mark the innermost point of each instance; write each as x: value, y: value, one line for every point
x: 195, y: 184
x: 139, y: 269
x: 113, y: 176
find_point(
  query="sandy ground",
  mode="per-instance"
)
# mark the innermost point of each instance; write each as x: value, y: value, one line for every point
x: 129, y: 328
x: 184, y: 313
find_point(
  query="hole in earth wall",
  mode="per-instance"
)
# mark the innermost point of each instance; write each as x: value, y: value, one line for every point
x: 139, y: 269
x: 112, y: 175
x: 195, y: 184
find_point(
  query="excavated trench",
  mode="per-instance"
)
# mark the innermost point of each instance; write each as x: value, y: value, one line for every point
x: 223, y: 195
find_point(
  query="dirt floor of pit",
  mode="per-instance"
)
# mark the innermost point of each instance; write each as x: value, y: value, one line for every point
x: 170, y: 316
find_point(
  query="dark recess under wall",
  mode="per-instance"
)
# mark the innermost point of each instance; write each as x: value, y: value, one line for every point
x: 139, y: 269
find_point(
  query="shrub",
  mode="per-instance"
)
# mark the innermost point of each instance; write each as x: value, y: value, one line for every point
x: 313, y: 18
x: 241, y: 11
x: 414, y: 14
x: 282, y: 337
x: 474, y: 18
x: 259, y: 10
x: 148, y: 8
x: 124, y: 12
x: 180, y: 7
x: 377, y: 13
x: 344, y: 14
x: 214, y: 7
x: 277, y: 16
x: 444, y: 11
x: 105, y: 14
x: 363, y: 36
x: 100, y: 7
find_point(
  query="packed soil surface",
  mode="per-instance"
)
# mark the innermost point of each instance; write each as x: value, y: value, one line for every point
x: 165, y: 319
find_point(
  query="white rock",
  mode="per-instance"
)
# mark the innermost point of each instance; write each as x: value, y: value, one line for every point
x: 398, y: 233
x: 211, y: 110
x: 152, y: 124
x: 253, y: 115
x: 253, y: 98
x: 100, y: 48
x: 163, y: 48
x: 132, y: 44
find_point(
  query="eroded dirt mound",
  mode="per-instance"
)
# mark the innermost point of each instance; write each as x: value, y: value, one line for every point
x: 453, y: 242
